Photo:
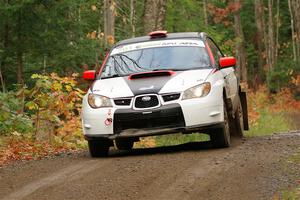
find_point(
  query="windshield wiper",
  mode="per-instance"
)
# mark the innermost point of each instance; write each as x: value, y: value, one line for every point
x: 132, y: 60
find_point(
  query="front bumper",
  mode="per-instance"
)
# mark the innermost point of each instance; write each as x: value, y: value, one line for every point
x: 184, y: 116
x: 133, y: 133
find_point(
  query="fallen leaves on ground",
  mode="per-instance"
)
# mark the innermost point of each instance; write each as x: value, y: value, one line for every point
x: 20, y: 149
x: 282, y: 101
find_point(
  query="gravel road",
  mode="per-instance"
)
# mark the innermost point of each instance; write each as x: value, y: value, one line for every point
x: 253, y: 168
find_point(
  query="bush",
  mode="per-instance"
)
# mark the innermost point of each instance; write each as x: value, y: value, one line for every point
x: 54, y: 103
x: 282, y: 75
x: 12, y: 120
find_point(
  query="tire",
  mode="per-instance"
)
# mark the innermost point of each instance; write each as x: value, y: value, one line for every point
x: 124, y: 144
x: 220, y: 138
x: 98, y: 148
x: 238, y: 122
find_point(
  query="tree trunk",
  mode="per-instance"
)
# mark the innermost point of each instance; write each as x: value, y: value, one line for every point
x: 109, y: 21
x: 260, y: 40
x: 240, y: 46
x: 205, y: 12
x: 154, y: 15
x: 295, y: 18
x: 271, y: 38
x: 1, y: 79
x: 293, y: 30
x: 297, y: 8
x: 20, y: 66
x: 277, y: 31
x: 132, y: 17
x: 5, y: 42
x: 20, y: 69
x: 44, y: 63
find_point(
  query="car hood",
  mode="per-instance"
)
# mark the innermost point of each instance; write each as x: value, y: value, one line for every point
x: 124, y: 87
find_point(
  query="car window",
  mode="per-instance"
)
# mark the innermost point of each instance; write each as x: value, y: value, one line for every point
x: 157, y: 58
x: 215, y: 50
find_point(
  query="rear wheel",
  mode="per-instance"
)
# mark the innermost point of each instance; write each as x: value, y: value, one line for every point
x: 124, y: 144
x: 221, y: 136
x: 98, y: 148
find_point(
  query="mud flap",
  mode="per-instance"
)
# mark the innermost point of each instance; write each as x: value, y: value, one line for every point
x: 243, y: 98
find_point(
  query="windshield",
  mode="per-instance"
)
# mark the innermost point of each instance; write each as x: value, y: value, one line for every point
x: 158, y: 58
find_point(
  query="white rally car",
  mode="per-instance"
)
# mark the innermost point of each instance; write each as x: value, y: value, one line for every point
x: 160, y: 84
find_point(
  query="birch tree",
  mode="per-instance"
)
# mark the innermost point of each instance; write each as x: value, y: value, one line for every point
x: 271, y: 39
x: 294, y: 7
x: 109, y: 13
x: 260, y: 38
x: 154, y: 15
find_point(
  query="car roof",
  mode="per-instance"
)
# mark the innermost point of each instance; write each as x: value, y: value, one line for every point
x: 169, y: 36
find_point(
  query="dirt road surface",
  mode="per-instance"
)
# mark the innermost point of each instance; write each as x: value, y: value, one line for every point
x: 254, y: 168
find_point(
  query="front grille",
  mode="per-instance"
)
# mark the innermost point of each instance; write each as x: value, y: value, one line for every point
x: 122, y: 102
x: 170, y: 97
x: 168, y: 116
x: 146, y: 101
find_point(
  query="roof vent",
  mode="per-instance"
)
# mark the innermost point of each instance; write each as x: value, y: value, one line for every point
x: 158, y: 34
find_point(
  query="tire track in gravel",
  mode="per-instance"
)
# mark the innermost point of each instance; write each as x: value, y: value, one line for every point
x: 178, y: 185
x: 72, y: 172
x: 250, y: 169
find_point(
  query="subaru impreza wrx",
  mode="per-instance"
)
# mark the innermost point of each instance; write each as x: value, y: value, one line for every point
x: 159, y: 84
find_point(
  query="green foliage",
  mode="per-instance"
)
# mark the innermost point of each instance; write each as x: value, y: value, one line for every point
x: 268, y: 124
x: 54, y: 98
x: 185, y: 15
x: 59, y: 41
x: 11, y: 120
x: 282, y: 74
x: 50, y: 41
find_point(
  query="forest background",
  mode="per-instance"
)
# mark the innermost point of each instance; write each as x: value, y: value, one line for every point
x: 46, y: 45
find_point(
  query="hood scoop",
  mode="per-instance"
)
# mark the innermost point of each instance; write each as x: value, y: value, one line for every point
x: 151, y: 74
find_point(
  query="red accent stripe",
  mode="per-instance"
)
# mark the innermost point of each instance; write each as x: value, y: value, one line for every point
x: 103, y: 63
x: 211, y: 56
x: 214, y: 71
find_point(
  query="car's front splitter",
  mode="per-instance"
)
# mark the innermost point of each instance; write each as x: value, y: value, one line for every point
x: 134, y: 133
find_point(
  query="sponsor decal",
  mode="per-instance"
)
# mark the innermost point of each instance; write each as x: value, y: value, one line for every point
x: 153, y: 44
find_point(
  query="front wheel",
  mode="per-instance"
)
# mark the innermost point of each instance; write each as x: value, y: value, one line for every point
x: 220, y: 138
x: 98, y: 148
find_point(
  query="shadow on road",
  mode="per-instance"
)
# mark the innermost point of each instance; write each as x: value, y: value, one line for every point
x: 186, y: 147
x: 191, y: 146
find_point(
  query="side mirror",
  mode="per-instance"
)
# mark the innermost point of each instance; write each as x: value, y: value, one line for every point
x: 227, y: 62
x: 89, y: 75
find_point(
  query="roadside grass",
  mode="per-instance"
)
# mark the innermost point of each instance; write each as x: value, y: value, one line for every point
x: 292, y: 192
x: 170, y: 140
x: 268, y: 114
x: 269, y: 123
x: 291, y: 195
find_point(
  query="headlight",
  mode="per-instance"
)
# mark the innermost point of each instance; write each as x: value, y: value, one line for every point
x: 97, y: 101
x: 197, y: 91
